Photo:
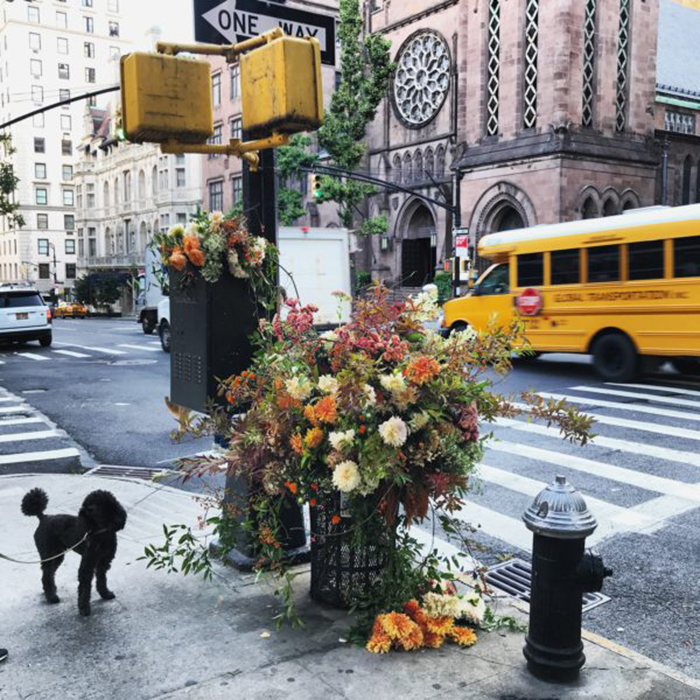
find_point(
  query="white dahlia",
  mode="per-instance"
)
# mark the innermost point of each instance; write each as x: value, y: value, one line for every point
x: 299, y: 388
x: 346, y: 476
x: 328, y: 384
x: 394, y: 432
x: 472, y: 609
x: 342, y: 441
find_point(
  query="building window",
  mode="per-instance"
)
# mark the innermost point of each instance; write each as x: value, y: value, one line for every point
x: 181, y: 218
x: 92, y: 245
x: 623, y: 47
x: 39, y: 145
x: 67, y: 172
x: 90, y: 74
x: 42, y: 221
x: 216, y: 196
x: 64, y: 71
x: 42, y: 196
x: 34, y: 41
x: 68, y: 198
x: 90, y: 196
x: 215, y: 139
x: 216, y: 89
x: 87, y: 3
x: 237, y: 190
x: 180, y: 177
x: 113, y: 5
x: 589, y: 53
x: 64, y: 96
x: 81, y: 248
x: 70, y: 267
x: 69, y: 222
x: 89, y: 49
x: 114, y: 28
x: 44, y: 271
x: 61, y: 20
x: 40, y: 171
x: 70, y: 246
x: 235, y: 76
x: 37, y: 94
x: 687, y: 170
x: 493, y: 67
x: 679, y: 122
x: 532, y: 16
x: 66, y: 122
x: 236, y: 128
x: 67, y: 147
x: 62, y: 45
x: 33, y: 14
x: 35, y: 67
x: 89, y: 25
x: 43, y: 244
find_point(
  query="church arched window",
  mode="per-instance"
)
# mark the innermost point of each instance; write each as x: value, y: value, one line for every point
x: 429, y: 163
x: 396, y: 169
x: 407, y: 168
x: 418, y: 172
x: 493, y: 67
x: 589, y: 63
x: 623, y: 54
x: 532, y: 17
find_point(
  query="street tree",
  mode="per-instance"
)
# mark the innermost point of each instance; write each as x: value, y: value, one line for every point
x: 107, y: 292
x: 366, y: 69
x: 81, y: 290
x: 9, y: 207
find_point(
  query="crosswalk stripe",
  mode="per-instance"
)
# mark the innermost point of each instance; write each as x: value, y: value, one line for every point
x: 37, y: 435
x: 666, y: 453
x: 20, y: 421
x: 649, y: 482
x: 494, y: 524
x: 138, y: 347
x: 39, y: 456
x: 70, y: 353
x: 635, y: 395
x: 23, y: 408
x: 659, y: 510
x: 32, y: 356
x: 635, y: 408
x: 9, y: 398
x: 658, y: 387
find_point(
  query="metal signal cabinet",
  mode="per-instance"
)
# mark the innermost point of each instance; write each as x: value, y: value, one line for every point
x: 281, y: 87
x: 166, y: 98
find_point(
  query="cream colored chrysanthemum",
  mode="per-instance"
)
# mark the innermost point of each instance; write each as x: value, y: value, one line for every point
x: 419, y: 421
x: 192, y: 229
x: 472, y: 608
x: 346, y: 476
x: 394, y: 383
x: 370, y: 395
x: 394, y: 432
x: 342, y: 440
x: 328, y: 384
x: 234, y: 265
x: 260, y: 247
x: 177, y: 230
x: 299, y: 388
x: 216, y: 218
x: 440, y: 605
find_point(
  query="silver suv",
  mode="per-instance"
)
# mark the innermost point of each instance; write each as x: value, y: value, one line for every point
x: 24, y: 316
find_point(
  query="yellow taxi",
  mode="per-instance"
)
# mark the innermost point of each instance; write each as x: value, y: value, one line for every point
x: 70, y: 309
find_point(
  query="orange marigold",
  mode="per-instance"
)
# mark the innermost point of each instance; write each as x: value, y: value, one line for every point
x: 397, y: 625
x: 326, y: 410
x: 291, y: 486
x: 285, y: 402
x: 379, y: 643
x: 432, y: 640
x: 464, y: 636
x: 314, y: 438
x: 422, y: 370
x: 440, y: 625
x: 297, y: 444
x: 417, y: 614
x: 413, y: 640
x: 310, y: 415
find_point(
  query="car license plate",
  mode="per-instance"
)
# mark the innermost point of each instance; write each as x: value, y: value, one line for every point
x: 22, y: 317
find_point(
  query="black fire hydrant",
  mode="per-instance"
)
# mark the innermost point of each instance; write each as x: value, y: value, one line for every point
x: 561, y: 574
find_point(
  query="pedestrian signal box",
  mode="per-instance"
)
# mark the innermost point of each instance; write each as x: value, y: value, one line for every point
x: 166, y: 98
x: 281, y: 87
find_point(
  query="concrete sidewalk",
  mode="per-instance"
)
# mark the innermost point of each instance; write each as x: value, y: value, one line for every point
x: 180, y: 638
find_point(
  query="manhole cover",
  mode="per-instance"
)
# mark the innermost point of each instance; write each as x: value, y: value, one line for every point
x: 515, y: 576
x: 132, y: 363
x: 145, y: 473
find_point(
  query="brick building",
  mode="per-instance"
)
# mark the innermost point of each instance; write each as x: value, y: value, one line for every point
x: 528, y: 112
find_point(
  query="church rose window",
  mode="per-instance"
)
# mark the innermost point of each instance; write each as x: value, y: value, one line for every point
x: 623, y: 47
x: 532, y: 15
x: 588, y: 63
x: 422, y: 78
x: 493, y: 68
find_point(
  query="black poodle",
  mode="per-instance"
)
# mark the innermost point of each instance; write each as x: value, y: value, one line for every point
x: 94, y: 530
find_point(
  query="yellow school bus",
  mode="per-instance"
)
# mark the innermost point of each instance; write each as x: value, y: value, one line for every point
x: 625, y: 289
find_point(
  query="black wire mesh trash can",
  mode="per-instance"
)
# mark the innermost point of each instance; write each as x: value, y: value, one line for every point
x: 340, y: 569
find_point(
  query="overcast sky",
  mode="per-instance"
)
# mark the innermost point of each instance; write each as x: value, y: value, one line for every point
x: 174, y: 17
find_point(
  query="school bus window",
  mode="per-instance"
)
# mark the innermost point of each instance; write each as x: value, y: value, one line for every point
x: 566, y: 266
x: 686, y: 255
x: 495, y: 283
x: 646, y: 260
x: 531, y: 270
x: 604, y: 264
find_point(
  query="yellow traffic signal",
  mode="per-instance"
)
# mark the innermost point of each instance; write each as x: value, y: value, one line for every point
x: 316, y: 190
x: 166, y: 98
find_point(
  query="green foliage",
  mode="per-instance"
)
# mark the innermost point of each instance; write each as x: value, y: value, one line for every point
x: 9, y: 208
x: 294, y: 156
x: 291, y: 205
x: 443, y: 281
x: 363, y: 280
x: 376, y: 226
x: 108, y: 292
x: 81, y: 290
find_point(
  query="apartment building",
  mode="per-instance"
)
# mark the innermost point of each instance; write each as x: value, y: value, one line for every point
x: 51, y: 50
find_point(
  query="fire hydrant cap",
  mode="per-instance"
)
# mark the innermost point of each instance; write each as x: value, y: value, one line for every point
x: 559, y: 511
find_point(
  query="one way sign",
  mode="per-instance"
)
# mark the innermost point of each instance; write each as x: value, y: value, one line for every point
x: 238, y: 20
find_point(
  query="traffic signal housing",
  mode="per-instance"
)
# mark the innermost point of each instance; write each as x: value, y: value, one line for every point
x: 316, y: 189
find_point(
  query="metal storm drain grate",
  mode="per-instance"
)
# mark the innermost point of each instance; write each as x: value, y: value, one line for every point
x: 514, y: 577
x: 145, y: 473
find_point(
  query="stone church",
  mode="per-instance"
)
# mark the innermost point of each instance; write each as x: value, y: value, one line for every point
x: 527, y: 112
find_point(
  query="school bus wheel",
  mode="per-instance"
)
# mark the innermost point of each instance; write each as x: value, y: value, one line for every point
x: 689, y: 366
x: 615, y: 358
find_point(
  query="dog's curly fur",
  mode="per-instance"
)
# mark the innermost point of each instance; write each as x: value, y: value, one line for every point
x: 99, y: 518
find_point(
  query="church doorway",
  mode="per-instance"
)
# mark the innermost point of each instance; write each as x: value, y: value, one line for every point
x: 508, y: 219
x: 418, y: 249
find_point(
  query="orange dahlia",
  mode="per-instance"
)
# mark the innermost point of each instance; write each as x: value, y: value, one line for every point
x: 432, y: 640
x: 440, y: 625
x: 413, y: 640
x: 422, y: 370
x: 464, y: 636
x: 196, y: 257
x: 397, y: 625
x: 177, y: 259
x: 379, y: 643
x: 326, y: 410
x: 314, y: 438
x: 190, y: 243
x: 297, y: 444
x: 310, y: 415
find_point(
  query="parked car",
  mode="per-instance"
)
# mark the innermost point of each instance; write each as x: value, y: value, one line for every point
x: 24, y: 316
x: 70, y: 309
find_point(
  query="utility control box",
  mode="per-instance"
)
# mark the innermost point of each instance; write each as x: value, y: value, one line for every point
x: 281, y: 87
x: 166, y: 98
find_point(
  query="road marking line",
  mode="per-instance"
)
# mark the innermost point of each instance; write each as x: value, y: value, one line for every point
x: 656, y: 387
x: 32, y: 356
x: 37, y: 435
x: 139, y: 347
x: 494, y: 524
x: 23, y: 408
x: 685, y: 433
x: 107, y: 351
x: 9, y: 398
x: 623, y: 406
x: 665, y: 453
x: 634, y: 395
x: 20, y: 421
x: 70, y: 353
x: 39, y: 456
x: 660, y: 510
x: 648, y: 482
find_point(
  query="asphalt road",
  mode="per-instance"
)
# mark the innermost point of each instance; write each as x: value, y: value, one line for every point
x: 97, y: 398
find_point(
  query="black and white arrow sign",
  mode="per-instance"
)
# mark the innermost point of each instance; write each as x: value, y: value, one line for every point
x: 231, y: 21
